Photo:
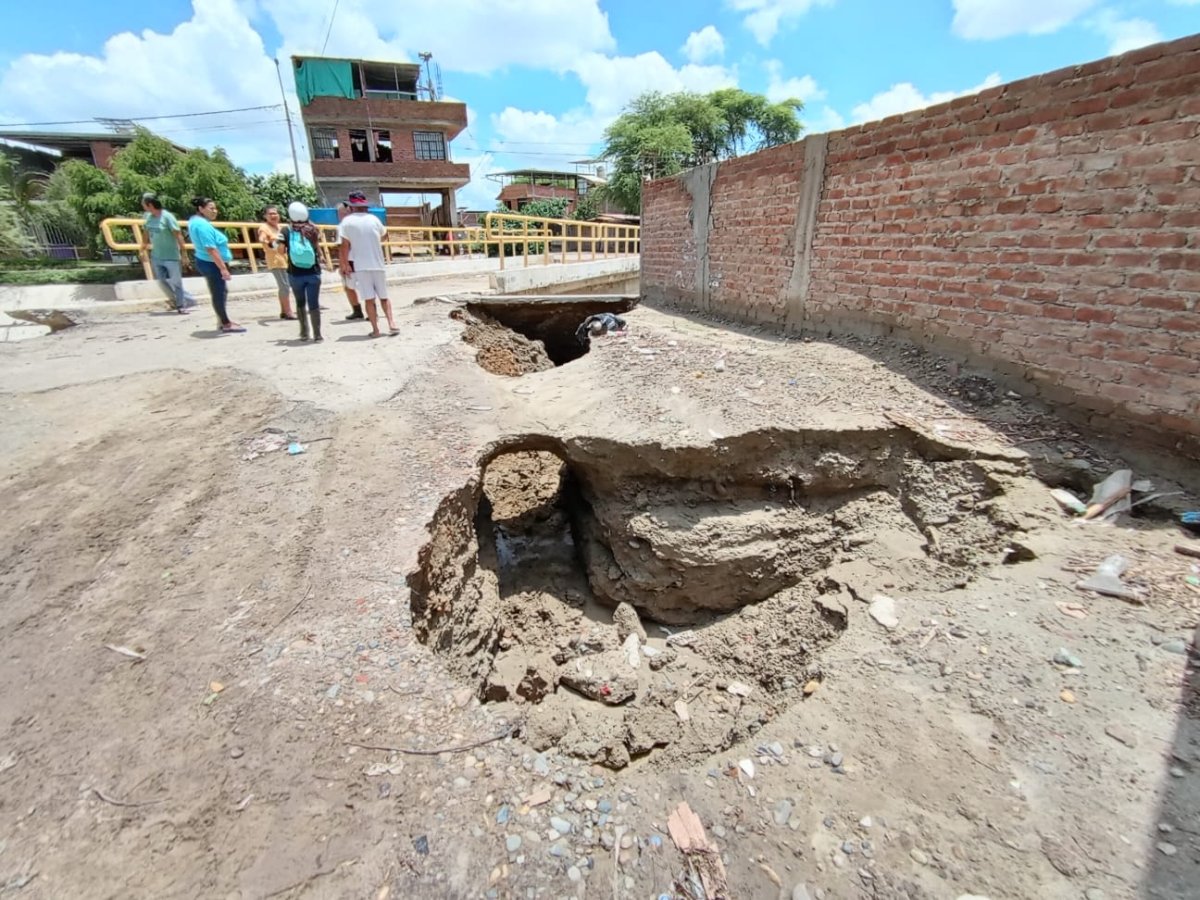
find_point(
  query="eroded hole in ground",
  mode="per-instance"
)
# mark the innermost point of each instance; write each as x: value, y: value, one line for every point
x: 54, y: 319
x: 519, y: 336
x: 641, y: 600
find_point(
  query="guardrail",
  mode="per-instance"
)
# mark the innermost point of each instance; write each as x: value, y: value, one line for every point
x: 506, y: 236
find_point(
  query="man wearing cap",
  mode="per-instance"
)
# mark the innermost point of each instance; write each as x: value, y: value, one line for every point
x: 163, y: 239
x: 343, y: 210
x: 362, y: 253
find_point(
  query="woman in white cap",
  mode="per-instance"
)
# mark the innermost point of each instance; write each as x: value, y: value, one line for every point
x: 302, y: 244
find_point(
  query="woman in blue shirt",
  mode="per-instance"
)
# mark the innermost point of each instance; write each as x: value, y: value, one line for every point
x: 212, y: 257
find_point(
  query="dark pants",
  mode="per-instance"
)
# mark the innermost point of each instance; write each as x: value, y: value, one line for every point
x: 216, y: 287
x: 307, y: 289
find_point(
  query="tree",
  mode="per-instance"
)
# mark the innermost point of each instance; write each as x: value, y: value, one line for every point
x: 150, y: 163
x: 279, y: 189
x: 589, y: 205
x: 662, y: 134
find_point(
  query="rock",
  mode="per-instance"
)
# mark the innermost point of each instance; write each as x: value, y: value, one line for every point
x: 738, y: 689
x: 512, y: 843
x: 919, y: 856
x: 503, y: 814
x: 236, y: 752
x: 747, y: 766
x: 633, y: 652
x: 836, y: 760
x: 663, y: 658
x: 848, y: 848
x: 574, y: 874
x: 606, y: 677
x: 972, y: 897
x: 626, y: 619
x: 865, y: 822
x: 1063, y: 658
x: 541, y: 765
x: 719, y: 831
x: 800, y: 892
x: 883, y: 611
x: 334, y: 690
x: 783, y: 812
x: 1065, y: 858
x: 1177, y: 772
x: 562, y: 826
x: 1122, y: 734
x: 1177, y: 645
x: 1166, y: 849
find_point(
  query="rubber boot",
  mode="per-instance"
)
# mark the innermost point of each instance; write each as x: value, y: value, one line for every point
x: 302, y: 315
x: 315, y: 314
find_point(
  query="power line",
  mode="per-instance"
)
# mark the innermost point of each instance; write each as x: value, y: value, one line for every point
x: 214, y: 112
x: 329, y: 30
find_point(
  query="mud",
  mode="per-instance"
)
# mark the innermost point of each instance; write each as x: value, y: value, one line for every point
x: 551, y: 321
x: 541, y: 572
x: 501, y: 350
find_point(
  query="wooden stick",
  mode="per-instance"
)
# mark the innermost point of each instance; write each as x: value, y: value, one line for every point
x: 414, y: 751
x: 1188, y: 550
x: 107, y: 799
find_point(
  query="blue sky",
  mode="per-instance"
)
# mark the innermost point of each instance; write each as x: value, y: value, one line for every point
x: 542, y: 78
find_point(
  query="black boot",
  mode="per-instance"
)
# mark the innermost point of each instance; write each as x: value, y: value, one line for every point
x: 356, y: 313
x: 315, y: 314
x: 302, y: 315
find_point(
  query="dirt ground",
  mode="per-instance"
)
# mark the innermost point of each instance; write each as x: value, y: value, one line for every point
x: 229, y: 670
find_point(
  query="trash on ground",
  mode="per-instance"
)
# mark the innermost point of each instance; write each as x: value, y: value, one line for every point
x: 295, y: 448
x: 1191, y: 521
x: 1111, y: 496
x: 1185, y: 550
x: 598, y: 326
x: 1106, y: 580
x: 1065, y: 658
x: 126, y: 651
x: 883, y: 611
x: 1068, y: 501
x: 703, y: 857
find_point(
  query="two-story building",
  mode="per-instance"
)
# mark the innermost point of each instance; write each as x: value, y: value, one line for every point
x: 375, y: 127
x: 521, y: 186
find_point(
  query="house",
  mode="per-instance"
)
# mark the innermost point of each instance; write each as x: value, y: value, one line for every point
x: 377, y: 127
x: 522, y: 186
x: 43, y: 150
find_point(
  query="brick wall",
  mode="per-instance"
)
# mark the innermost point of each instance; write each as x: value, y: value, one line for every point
x: 1048, y: 228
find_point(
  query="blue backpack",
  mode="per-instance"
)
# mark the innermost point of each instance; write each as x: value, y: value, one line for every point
x: 300, y: 250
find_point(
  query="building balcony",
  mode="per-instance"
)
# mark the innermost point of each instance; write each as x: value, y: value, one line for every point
x: 402, y: 173
x: 435, y: 115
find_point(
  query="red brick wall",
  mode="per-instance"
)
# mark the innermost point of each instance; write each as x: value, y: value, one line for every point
x: 1049, y: 228
x: 668, y: 248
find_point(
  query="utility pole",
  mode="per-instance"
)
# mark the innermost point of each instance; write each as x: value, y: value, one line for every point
x: 425, y: 58
x: 287, y: 114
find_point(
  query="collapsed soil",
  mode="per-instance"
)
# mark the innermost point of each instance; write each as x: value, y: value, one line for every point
x: 949, y: 755
x: 499, y: 349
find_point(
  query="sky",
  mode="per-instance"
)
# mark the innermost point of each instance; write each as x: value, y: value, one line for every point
x: 541, y: 78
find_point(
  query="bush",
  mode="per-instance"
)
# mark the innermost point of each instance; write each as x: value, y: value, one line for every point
x: 68, y: 274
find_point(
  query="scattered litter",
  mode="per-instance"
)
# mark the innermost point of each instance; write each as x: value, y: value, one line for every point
x: 1069, y: 501
x: 1106, y: 580
x: 681, y: 638
x: 1111, y: 496
x: 295, y: 448
x: 216, y: 687
x: 598, y: 326
x: 747, y: 766
x: 719, y: 365
x: 538, y: 798
x: 681, y: 710
x: 704, y: 859
x: 1066, y: 695
x: 738, y: 689
x: 883, y: 611
x: 125, y: 651
x: 1074, y: 610
x: 1191, y: 521
x: 1064, y: 658
x: 811, y: 686
x: 1185, y: 550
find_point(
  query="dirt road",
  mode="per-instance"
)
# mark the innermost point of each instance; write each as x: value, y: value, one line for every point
x: 206, y: 641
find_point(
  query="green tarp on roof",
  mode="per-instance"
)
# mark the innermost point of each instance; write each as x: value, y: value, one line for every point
x: 323, y: 78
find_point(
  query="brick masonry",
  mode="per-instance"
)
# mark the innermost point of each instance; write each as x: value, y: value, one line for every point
x: 1048, y: 229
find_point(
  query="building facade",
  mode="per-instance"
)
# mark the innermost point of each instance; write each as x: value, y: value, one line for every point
x: 520, y: 187
x: 376, y: 127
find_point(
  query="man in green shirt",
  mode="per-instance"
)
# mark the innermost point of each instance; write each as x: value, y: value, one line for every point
x: 163, y: 238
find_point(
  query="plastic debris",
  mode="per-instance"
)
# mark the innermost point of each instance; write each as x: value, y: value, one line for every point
x: 1106, y: 580
x: 1111, y: 496
x: 295, y: 448
x: 598, y: 326
x: 1064, y: 658
x: 1068, y: 501
x: 126, y: 651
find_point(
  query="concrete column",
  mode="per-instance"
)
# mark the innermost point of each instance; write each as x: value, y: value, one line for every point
x: 811, y: 186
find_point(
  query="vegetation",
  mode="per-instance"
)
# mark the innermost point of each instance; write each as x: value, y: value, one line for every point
x: 663, y: 134
x: 280, y: 189
x: 67, y: 272
x: 589, y: 205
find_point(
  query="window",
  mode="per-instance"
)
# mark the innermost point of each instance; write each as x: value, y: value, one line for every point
x: 358, y: 145
x: 429, y: 144
x: 383, y: 146
x: 324, y: 143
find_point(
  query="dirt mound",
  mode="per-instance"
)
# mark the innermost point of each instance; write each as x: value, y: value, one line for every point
x: 501, y: 350
x: 761, y: 543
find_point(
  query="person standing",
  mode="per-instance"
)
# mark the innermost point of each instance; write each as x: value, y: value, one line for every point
x: 212, y: 258
x: 356, y: 312
x: 301, y: 244
x: 362, y: 253
x: 163, y: 240
x: 277, y: 264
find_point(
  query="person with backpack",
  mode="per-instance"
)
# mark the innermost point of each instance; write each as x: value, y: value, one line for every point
x: 301, y: 243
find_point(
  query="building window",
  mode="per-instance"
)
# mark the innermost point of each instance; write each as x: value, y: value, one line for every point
x: 429, y: 144
x: 358, y: 145
x: 383, y: 146
x: 324, y: 143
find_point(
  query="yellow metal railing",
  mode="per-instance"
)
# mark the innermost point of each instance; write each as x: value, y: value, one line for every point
x: 504, y: 235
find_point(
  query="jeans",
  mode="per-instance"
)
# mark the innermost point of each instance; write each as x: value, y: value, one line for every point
x: 216, y: 287
x: 169, y: 273
x: 307, y: 289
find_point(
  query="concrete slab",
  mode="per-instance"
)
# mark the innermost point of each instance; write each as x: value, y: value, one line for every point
x: 562, y: 278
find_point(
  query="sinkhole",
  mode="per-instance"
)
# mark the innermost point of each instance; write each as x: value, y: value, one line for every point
x: 645, y: 601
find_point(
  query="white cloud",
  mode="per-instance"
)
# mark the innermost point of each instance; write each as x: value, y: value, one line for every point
x: 704, y: 45
x: 764, y: 18
x: 904, y: 97
x: 987, y: 19
x: 477, y: 36
x: 1124, y: 35
x: 804, y: 88
x: 612, y: 81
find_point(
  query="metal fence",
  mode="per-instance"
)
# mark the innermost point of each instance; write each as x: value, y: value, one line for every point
x: 506, y: 236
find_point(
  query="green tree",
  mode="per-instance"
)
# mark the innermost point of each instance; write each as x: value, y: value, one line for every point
x: 589, y: 205
x: 150, y: 163
x: 662, y: 134
x: 280, y: 189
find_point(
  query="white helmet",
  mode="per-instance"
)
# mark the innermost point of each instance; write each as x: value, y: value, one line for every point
x: 297, y: 212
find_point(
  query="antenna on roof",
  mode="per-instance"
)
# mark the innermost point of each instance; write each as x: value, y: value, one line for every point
x: 426, y: 56
x: 120, y: 126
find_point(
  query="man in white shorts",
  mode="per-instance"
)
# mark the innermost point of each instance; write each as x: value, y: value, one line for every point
x: 362, y: 253
x: 343, y: 210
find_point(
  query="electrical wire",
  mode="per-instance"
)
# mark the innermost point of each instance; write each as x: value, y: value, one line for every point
x: 213, y: 112
x: 329, y: 30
